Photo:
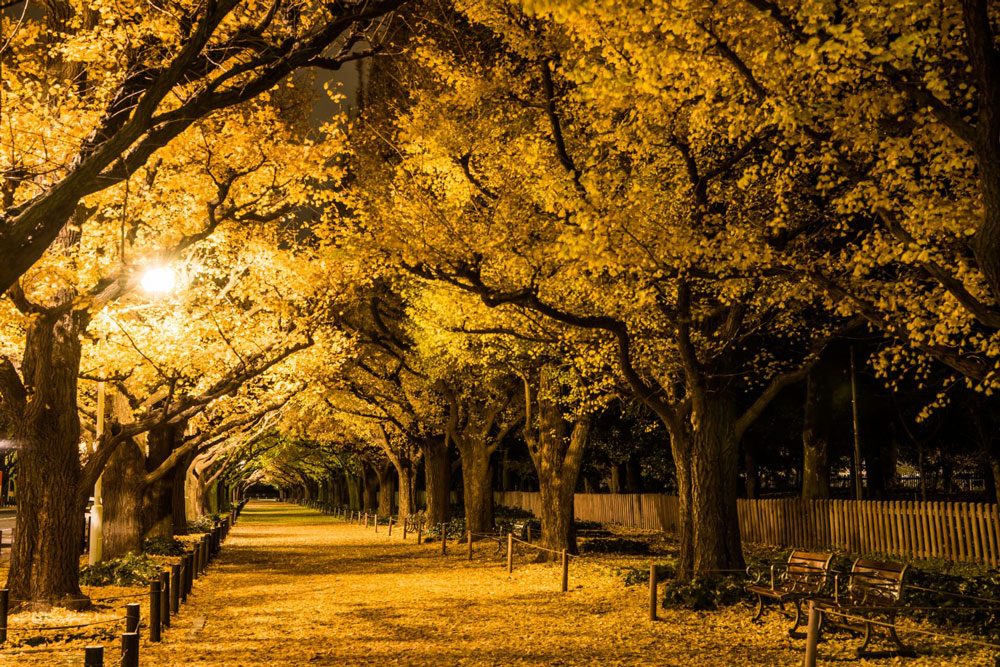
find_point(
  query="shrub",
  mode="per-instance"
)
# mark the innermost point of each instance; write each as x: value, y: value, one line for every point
x: 615, y: 545
x: 163, y: 546
x: 203, y: 524
x: 129, y: 570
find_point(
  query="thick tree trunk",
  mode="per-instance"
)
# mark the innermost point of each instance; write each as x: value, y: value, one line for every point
x: 48, y: 533
x: 614, y: 478
x: 477, y: 487
x: 405, y: 477
x: 751, y: 472
x: 816, y: 423
x: 369, y: 490
x: 158, y: 505
x: 179, y: 495
x: 437, y: 478
x: 386, y: 489
x: 122, y: 491
x: 557, y: 460
x: 353, y: 490
x: 633, y: 474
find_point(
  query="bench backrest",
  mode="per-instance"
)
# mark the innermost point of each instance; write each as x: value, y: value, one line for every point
x: 808, y: 571
x: 878, y: 582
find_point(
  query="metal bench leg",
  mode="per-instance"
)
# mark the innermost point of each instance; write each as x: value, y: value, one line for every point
x: 862, y: 650
x: 760, y: 609
x: 794, y: 631
x: 901, y: 648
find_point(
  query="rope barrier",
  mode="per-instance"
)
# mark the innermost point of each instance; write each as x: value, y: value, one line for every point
x: 535, y: 546
x: 835, y: 612
x: 45, y: 628
x: 957, y: 595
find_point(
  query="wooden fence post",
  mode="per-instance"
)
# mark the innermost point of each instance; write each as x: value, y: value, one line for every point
x: 155, y: 594
x: 93, y: 656
x: 565, y: 571
x: 175, y: 588
x: 376, y: 523
x: 420, y: 531
x: 470, y: 544
x: 132, y: 618
x: 652, y: 591
x: 444, y: 540
x: 390, y: 526
x: 130, y: 649
x: 510, y: 552
x: 405, y: 524
x: 4, y: 606
x: 165, y: 598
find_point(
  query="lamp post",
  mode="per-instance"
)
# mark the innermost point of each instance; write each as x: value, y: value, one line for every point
x: 156, y: 280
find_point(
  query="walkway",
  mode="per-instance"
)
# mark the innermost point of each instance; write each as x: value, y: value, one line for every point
x: 292, y: 587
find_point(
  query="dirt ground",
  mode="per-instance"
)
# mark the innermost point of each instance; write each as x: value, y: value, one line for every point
x: 293, y: 587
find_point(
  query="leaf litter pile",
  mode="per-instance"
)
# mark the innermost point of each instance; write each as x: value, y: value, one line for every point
x: 292, y: 587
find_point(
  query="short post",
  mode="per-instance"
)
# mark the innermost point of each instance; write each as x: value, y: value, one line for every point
x: 130, y: 649
x: 527, y: 528
x: 175, y: 588
x: 165, y: 598
x: 366, y: 519
x: 390, y: 526
x: 93, y: 656
x: 652, y: 591
x: 510, y: 552
x: 188, y: 575
x: 207, y: 542
x: 420, y: 531
x: 444, y: 541
x: 4, y: 606
x: 132, y: 618
x: 812, y: 635
x: 405, y: 524
x: 195, y: 548
x: 565, y: 571
x: 376, y: 523
x: 155, y: 595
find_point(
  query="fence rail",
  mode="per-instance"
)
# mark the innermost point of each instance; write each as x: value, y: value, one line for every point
x: 948, y: 530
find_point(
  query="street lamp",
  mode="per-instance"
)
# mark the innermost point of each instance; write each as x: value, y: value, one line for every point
x: 156, y: 280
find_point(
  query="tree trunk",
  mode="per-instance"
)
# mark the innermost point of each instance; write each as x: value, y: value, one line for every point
x: 179, y: 495
x: 386, y: 489
x: 816, y: 422
x: 477, y: 486
x: 369, y: 488
x: 437, y: 478
x: 122, y: 491
x: 405, y: 477
x: 614, y: 478
x: 715, y: 524
x: 751, y: 471
x: 353, y: 490
x: 557, y: 460
x: 48, y: 536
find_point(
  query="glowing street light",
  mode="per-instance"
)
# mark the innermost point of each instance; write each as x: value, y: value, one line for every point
x: 159, y: 280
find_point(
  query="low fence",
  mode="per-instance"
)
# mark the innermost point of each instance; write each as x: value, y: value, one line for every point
x: 915, y: 529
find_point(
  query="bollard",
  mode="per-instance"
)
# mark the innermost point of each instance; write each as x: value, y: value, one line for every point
x: 194, y: 561
x: 510, y: 552
x: 132, y: 618
x: 182, y: 592
x: 652, y: 591
x: 444, y: 541
x: 390, y: 526
x: 4, y: 606
x: 565, y: 571
x: 470, y: 544
x: 165, y: 598
x: 93, y: 656
x: 130, y: 649
x: 188, y: 575
x: 155, y: 595
x: 175, y: 588
x: 206, y: 541
x: 812, y: 634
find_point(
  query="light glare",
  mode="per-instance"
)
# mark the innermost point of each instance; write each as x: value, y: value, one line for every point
x: 159, y: 280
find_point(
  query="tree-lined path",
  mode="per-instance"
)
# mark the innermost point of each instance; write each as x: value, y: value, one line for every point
x: 293, y: 587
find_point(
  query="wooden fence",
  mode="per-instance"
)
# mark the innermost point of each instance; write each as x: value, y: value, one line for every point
x: 910, y: 529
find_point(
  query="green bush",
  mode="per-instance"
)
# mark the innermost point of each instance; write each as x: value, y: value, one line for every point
x: 614, y: 545
x: 705, y: 593
x: 203, y: 524
x: 129, y: 570
x: 163, y: 546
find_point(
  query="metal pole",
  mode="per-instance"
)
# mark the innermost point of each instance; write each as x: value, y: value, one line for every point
x: 812, y: 635
x: 652, y: 591
x: 510, y: 552
x: 857, y: 436
x: 165, y: 598
x: 155, y: 597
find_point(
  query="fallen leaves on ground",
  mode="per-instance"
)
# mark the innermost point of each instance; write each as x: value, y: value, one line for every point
x: 292, y: 587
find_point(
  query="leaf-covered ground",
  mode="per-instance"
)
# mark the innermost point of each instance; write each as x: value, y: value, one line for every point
x: 295, y: 588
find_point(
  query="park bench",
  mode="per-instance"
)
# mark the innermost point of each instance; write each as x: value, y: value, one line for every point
x: 803, y: 576
x: 872, y: 599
